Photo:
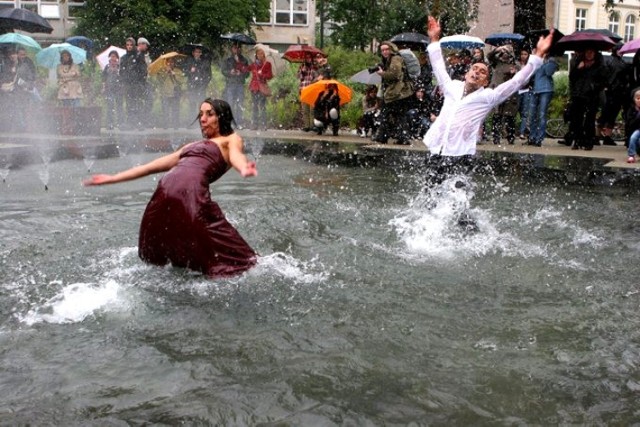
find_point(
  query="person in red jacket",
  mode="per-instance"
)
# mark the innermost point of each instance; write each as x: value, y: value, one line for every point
x: 260, y: 75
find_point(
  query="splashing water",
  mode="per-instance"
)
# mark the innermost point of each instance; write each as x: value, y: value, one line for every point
x: 74, y: 303
x: 4, y: 173
x: 440, y: 222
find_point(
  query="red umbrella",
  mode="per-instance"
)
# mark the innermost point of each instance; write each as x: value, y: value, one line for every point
x: 298, y: 52
x: 581, y: 40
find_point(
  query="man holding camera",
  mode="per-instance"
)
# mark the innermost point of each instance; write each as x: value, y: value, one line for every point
x: 397, y: 93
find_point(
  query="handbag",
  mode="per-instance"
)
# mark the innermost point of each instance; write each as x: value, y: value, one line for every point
x: 264, y: 88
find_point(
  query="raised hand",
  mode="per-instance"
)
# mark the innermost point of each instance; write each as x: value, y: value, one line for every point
x: 544, y: 44
x: 433, y: 29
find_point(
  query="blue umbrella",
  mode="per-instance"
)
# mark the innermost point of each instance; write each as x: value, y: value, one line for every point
x: 81, y: 42
x: 22, y: 40
x: 499, y: 39
x: 50, y: 57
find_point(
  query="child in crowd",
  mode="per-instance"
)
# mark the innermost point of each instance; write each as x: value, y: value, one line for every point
x: 632, y: 126
x: 370, y: 112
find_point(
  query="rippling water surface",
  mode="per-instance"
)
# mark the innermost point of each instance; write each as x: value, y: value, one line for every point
x: 369, y: 306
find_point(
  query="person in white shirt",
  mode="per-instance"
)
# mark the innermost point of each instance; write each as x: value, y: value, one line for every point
x: 452, y: 138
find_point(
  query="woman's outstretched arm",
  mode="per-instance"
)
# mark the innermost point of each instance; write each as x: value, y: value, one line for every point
x: 161, y: 164
x: 238, y: 160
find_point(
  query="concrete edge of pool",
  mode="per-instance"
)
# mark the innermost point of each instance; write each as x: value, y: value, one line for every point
x: 22, y: 146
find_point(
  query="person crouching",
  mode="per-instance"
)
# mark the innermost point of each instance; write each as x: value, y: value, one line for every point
x: 327, y: 110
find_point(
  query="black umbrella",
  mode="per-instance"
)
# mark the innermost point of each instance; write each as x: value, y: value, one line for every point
x: 411, y: 40
x: 24, y: 20
x: 499, y: 39
x: 613, y: 36
x: 238, y: 38
x: 187, y: 49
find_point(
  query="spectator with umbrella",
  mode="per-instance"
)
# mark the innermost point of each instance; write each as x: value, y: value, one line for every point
x: 616, y: 94
x: 306, y: 74
x: 16, y: 81
x: 169, y: 79
x: 235, y: 69
x: 69, y: 86
x: 197, y: 70
x: 304, y: 55
x: 587, y: 78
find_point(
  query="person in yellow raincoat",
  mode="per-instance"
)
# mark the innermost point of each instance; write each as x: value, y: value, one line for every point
x: 170, y: 81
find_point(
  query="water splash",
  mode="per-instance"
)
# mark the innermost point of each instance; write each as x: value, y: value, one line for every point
x: 4, y: 172
x: 89, y: 158
x: 74, y: 303
x: 255, y: 147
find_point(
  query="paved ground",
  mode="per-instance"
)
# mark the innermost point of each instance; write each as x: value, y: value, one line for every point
x: 615, y: 156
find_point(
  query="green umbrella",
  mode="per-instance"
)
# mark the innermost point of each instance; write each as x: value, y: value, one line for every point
x: 15, y: 38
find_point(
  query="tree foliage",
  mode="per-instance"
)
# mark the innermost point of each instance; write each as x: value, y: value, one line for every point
x: 355, y: 23
x: 167, y: 24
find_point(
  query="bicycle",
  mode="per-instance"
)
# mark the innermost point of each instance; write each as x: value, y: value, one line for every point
x: 558, y: 128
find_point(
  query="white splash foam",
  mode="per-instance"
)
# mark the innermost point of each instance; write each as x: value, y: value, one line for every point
x: 430, y: 225
x: 74, y: 303
x: 289, y: 267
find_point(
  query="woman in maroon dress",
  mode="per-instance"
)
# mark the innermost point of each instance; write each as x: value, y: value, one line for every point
x: 181, y: 224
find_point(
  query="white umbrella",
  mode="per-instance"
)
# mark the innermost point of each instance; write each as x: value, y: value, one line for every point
x: 103, y: 57
x: 366, y: 77
x: 461, y: 41
x: 278, y: 64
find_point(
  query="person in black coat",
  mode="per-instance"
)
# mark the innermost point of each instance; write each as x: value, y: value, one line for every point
x: 133, y: 76
x: 587, y: 78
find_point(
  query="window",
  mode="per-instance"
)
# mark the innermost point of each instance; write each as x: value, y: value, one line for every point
x: 74, y: 8
x: 292, y: 12
x: 629, y: 27
x: 614, y: 24
x: 581, y: 19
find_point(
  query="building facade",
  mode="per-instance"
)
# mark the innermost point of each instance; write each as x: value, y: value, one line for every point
x: 290, y: 21
x: 572, y: 15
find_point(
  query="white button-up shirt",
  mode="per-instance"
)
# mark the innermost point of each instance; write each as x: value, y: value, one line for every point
x: 455, y: 131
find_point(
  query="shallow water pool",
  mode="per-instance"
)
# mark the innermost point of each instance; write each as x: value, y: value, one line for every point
x: 369, y: 306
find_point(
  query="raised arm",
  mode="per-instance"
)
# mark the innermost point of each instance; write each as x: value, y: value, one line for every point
x: 161, y: 164
x: 238, y: 160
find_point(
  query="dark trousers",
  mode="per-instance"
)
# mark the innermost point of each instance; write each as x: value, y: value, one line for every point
x: 440, y: 168
x: 392, y: 120
x: 501, y: 121
x: 582, y: 118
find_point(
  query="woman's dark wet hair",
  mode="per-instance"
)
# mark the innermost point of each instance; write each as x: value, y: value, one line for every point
x: 224, y: 113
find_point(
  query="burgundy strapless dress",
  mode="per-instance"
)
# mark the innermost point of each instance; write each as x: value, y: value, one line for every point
x: 183, y: 226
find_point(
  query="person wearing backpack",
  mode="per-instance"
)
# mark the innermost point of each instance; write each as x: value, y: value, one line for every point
x: 397, y: 94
